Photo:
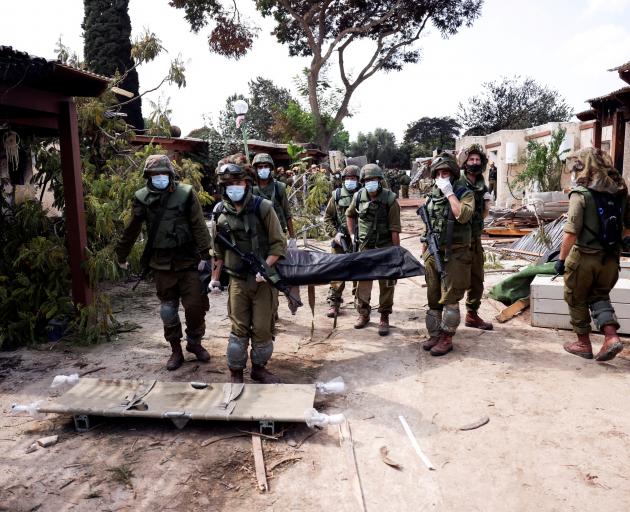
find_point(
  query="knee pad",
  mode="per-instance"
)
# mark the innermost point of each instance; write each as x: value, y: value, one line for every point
x: 237, y: 352
x: 433, y: 321
x: 261, y: 353
x: 450, y: 318
x: 169, y: 312
x: 603, y: 314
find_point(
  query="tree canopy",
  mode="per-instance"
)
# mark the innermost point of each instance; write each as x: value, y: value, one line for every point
x: 380, y: 145
x: 512, y: 104
x: 429, y: 133
x: 324, y: 30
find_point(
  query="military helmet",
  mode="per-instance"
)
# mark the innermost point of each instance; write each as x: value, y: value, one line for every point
x: 351, y: 170
x: 229, y: 172
x: 263, y: 158
x: 445, y: 161
x: 473, y: 149
x: 158, y: 164
x: 371, y: 171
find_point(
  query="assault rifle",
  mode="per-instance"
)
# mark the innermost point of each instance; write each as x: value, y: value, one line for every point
x: 432, y: 240
x: 345, y: 246
x: 256, y: 265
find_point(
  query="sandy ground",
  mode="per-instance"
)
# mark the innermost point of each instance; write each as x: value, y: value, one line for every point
x: 557, y: 439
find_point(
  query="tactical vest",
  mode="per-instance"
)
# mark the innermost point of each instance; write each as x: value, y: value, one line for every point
x: 274, y: 192
x: 342, y: 198
x: 479, y: 189
x: 174, y: 230
x: 588, y: 237
x: 373, y: 218
x: 245, y: 229
x: 439, y: 211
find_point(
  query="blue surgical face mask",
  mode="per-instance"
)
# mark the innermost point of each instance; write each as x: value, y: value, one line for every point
x: 350, y: 184
x: 371, y: 186
x: 160, y: 181
x: 264, y: 172
x: 235, y: 192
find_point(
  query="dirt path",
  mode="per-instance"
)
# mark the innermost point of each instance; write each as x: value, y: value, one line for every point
x: 557, y: 438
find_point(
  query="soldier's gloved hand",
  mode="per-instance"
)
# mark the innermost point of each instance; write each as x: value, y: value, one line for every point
x: 202, y: 265
x: 124, y: 265
x: 259, y: 278
x: 338, y: 238
x: 445, y: 185
x: 559, y: 267
x: 215, y: 287
x: 487, y: 196
x: 292, y: 243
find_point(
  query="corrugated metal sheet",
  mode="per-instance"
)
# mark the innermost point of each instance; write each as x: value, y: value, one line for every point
x: 542, y: 242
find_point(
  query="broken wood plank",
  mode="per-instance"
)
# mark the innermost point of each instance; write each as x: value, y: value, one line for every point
x: 511, y: 311
x: 347, y: 444
x: 259, y: 463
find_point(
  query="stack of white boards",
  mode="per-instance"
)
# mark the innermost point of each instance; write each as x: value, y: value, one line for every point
x: 548, y: 308
x: 624, y: 273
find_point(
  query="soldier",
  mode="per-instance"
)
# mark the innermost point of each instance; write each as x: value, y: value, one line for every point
x: 450, y: 207
x: 253, y: 226
x: 393, y: 181
x: 473, y: 163
x: 336, y: 226
x: 405, y: 181
x: 268, y: 188
x: 373, y: 219
x: 597, y: 228
x: 281, y: 175
x: 492, y: 180
x: 177, y: 250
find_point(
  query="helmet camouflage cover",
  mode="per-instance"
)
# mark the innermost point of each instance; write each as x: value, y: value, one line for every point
x: 473, y: 149
x: 445, y: 161
x: 263, y: 158
x: 371, y: 171
x: 594, y: 169
x: 227, y: 172
x: 351, y: 170
x: 158, y: 164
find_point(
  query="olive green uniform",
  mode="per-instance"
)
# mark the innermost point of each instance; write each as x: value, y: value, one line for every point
x: 475, y: 291
x: 457, y: 260
x: 377, y: 218
x: 405, y: 181
x: 276, y: 192
x: 590, y: 273
x: 335, y: 222
x: 181, y: 241
x: 250, y: 304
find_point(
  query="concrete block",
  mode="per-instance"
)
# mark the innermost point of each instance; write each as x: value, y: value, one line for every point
x: 543, y: 287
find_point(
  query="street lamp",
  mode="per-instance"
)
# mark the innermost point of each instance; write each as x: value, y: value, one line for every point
x: 240, y: 109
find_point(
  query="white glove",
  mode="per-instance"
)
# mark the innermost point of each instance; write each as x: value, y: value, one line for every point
x: 215, y: 287
x: 487, y: 196
x: 292, y: 243
x: 202, y: 265
x: 260, y: 279
x: 123, y: 265
x: 445, y: 185
x: 338, y: 238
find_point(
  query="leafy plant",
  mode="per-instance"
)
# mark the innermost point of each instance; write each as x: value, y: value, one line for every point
x: 543, y: 164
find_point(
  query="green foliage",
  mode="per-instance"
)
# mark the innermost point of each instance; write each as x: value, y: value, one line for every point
x: 380, y: 145
x: 429, y: 133
x: 543, y: 165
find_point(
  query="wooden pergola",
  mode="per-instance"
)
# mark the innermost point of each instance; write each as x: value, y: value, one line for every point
x: 36, y: 96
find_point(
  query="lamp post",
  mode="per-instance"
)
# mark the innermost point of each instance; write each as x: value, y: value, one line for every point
x: 240, y: 108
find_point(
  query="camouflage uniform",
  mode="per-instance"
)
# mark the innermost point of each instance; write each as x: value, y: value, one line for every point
x: 181, y: 242
x: 405, y: 181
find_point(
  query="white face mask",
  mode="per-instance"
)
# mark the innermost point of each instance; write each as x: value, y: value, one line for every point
x: 160, y: 181
x: 350, y: 184
x: 371, y: 186
x: 235, y: 192
x: 263, y: 172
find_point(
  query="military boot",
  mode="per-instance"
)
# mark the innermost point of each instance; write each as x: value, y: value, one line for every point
x: 177, y: 356
x: 194, y: 347
x: 582, y: 347
x: 612, y: 344
x: 474, y: 320
x: 361, y: 321
x: 430, y: 343
x: 236, y: 376
x: 333, y: 311
x: 262, y: 375
x: 443, y: 346
x: 383, y: 326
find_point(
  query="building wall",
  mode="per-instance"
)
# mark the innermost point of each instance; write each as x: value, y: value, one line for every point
x: 626, y: 155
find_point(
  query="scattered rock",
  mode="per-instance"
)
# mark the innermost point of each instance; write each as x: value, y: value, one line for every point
x: 292, y: 443
x: 31, y: 448
x: 45, y: 442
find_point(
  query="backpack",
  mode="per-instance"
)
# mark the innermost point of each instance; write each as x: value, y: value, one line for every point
x: 610, y: 212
